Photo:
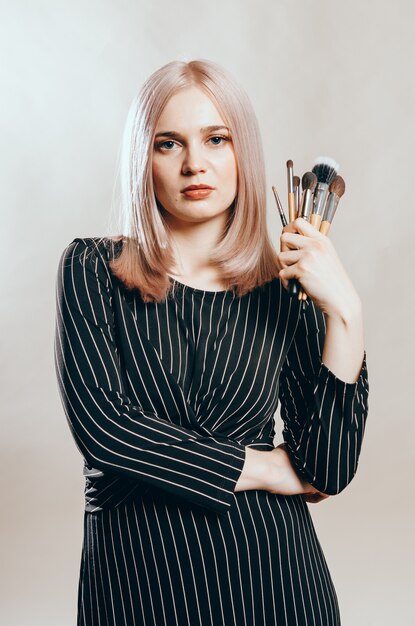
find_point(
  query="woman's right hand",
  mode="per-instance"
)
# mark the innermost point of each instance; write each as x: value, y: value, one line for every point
x: 286, y: 481
x: 273, y: 471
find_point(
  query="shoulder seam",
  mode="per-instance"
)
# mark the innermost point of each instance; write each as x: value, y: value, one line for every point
x: 93, y: 250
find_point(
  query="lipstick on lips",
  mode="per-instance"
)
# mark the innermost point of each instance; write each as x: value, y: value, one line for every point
x: 197, y: 192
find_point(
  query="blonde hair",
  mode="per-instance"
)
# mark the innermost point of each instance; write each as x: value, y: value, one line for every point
x: 244, y: 256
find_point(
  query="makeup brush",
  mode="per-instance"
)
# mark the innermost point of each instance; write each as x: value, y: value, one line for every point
x: 325, y: 169
x: 296, y: 286
x: 336, y: 190
x: 309, y: 182
x: 296, y: 185
x: 279, y: 205
x: 290, y: 185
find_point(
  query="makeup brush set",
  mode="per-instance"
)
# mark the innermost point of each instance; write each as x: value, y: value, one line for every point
x: 322, y: 189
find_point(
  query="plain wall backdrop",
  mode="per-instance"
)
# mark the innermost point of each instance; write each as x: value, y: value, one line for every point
x: 325, y: 77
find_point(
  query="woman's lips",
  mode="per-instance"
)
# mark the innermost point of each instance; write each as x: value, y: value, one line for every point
x: 196, y: 194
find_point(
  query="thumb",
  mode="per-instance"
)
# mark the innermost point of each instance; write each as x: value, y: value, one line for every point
x: 303, y: 227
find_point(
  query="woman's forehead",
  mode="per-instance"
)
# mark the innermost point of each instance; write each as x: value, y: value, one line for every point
x: 189, y: 108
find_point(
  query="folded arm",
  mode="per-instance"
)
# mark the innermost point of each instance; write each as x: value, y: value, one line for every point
x: 323, y: 383
x: 324, y: 416
x: 110, y: 431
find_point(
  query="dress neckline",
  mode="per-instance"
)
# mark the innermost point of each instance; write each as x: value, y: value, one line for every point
x: 185, y: 287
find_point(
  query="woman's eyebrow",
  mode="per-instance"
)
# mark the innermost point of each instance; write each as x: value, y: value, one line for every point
x: 205, y: 129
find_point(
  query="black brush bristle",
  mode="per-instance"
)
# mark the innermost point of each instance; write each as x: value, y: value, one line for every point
x: 325, y: 169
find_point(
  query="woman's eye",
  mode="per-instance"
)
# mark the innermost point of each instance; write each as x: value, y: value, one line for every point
x: 167, y: 145
x: 218, y: 139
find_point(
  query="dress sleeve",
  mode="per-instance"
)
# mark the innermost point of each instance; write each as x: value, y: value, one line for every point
x: 112, y: 433
x: 323, y: 417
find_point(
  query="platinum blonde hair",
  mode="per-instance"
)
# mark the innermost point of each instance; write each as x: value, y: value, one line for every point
x: 244, y: 255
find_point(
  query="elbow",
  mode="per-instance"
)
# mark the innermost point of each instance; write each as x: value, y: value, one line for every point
x: 93, y: 459
x: 90, y: 450
x: 332, y: 489
x: 333, y: 485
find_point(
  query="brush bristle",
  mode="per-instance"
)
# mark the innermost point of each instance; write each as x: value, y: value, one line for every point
x: 290, y: 164
x: 309, y: 181
x: 296, y: 181
x: 327, y: 161
x: 338, y: 186
x: 325, y: 169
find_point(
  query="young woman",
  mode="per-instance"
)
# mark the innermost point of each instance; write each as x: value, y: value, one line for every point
x: 174, y: 343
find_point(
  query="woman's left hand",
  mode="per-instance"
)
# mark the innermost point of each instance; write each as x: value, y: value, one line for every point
x: 310, y: 257
x: 313, y: 498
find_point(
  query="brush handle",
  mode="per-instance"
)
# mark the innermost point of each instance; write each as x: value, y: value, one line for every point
x: 293, y: 287
x: 325, y: 227
x: 292, y: 212
x: 315, y: 220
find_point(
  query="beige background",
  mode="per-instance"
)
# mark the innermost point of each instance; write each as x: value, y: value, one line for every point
x: 325, y: 77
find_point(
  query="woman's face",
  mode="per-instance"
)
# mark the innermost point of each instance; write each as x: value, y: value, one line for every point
x: 193, y: 146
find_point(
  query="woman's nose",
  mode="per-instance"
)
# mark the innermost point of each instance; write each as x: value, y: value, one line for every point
x: 194, y: 160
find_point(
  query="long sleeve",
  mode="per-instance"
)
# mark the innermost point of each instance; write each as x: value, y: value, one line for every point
x: 324, y: 417
x: 112, y: 433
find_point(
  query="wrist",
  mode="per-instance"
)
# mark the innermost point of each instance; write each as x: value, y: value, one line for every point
x: 264, y: 467
x: 348, y: 313
x: 256, y: 471
x: 277, y: 466
x: 271, y: 469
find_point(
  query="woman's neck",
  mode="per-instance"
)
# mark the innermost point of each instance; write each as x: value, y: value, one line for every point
x: 193, y: 244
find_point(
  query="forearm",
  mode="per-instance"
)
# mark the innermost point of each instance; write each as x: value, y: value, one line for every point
x: 112, y: 430
x: 323, y: 383
x: 344, y: 342
x: 323, y: 402
x: 310, y: 257
x: 273, y: 471
x: 256, y: 470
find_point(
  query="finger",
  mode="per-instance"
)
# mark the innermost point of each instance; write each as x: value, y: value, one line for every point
x: 303, y: 227
x: 289, y: 228
x: 292, y: 241
x: 314, y: 498
x: 283, y: 280
x: 321, y: 496
x: 289, y: 272
x: 289, y: 257
x: 317, y: 499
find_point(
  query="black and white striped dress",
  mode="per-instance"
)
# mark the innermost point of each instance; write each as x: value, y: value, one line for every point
x: 161, y: 400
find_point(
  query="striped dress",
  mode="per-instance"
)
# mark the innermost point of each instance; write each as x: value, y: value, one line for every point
x: 162, y: 400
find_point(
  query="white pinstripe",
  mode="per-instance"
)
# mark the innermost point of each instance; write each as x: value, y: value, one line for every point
x: 161, y: 400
